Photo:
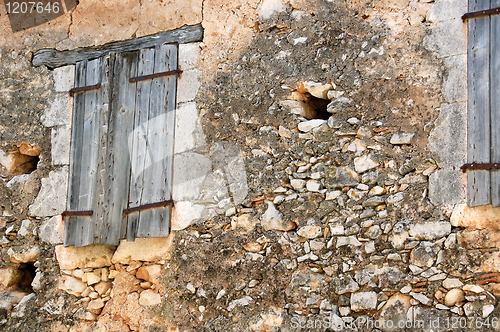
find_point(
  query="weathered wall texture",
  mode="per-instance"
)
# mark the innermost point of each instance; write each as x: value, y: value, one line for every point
x: 316, y: 175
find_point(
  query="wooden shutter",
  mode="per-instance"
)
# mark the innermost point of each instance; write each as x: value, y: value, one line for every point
x: 122, y: 147
x: 88, y: 140
x: 151, y: 143
x: 483, y: 186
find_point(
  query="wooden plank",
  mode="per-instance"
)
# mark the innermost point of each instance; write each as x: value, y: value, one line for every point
x: 138, y: 140
x: 90, y: 156
x: 495, y: 103
x: 99, y: 204
x: 70, y: 233
x: 157, y: 179
x: 121, y: 124
x: 478, y: 182
x: 53, y: 58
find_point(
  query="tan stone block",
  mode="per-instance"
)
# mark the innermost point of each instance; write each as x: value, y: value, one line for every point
x: 144, y: 249
x: 113, y: 274
x: 73, y: 286
x: 95, y: 306
x: 480, y: 217
x: 94, y: 256
x: 102, y: 287
x: 142, y: 273
x: 23, y: 255
x: 167, y: 15
x: 479, y: 239
x: 149, y: 298
x: 92, y: 278
x: 9, y: 276
x: 111, y: 20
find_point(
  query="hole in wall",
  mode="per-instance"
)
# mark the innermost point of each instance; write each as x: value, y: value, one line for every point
x: 28, y: 271
x: 20, y: 159
x: 311, y: 107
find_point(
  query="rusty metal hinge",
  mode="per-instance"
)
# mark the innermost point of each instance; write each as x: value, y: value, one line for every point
x: 480, y: 13
x: 476, y: 166
x: 147, y: 206
x: 76, y: 213
x: 84, y: 88
x: 148, y: 77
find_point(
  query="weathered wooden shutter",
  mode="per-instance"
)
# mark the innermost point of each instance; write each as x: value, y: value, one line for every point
x: 483, y: 185
x: 122, y: 147
x: 151, y: 143
x: 88, y: 141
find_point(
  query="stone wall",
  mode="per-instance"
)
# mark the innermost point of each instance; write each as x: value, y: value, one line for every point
x: 316, y: 175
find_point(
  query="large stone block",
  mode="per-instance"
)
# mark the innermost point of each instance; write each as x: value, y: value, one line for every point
x: 228, y: 159
x: 186, y: 213
x: 59, y: 112
x: 64, y: 78
x: 156, y: 16
x: 190, y: 169
x: 430, y: 230
x: 9, y: 276
x: 94, y: 256
x: 444, y: 10
x: 480, y: 217
x: 51, y: 199
x: 270, y: 7
x: 151, y: 249
x: 446, y: 187
x: 188, y: 85
x: 111, y: 21
x: 61, y: 141
x: 188, y: 132
x: 448, y: 139
x: 189, y: 56
x: 455, y: 82
x: 447, y: 38
x: 52, y: 230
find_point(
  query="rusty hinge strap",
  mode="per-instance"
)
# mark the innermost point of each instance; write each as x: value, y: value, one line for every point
x: 148, y: 77
x: 76, y: 213
x: 84, y: 88
x: 147, y: 206
x: 475, y: 166
x: 480, y: 13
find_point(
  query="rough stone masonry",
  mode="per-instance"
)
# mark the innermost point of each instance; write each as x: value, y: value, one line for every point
x: 316, y: 175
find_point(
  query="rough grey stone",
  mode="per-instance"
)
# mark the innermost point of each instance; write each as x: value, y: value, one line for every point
x: 402, y: 138
x: 60, y: 141
x: 363, y: 301
x: 446, y: 187
x: 59, y: 111
x: 430, y: 230
x: 190, y: 170
x: 188, y: 132
x: 455, y: 82
x: 448, y: 139
x: 52, y: 230
x: 338, y: 177
x: 188, y: 85
x: 228, y: 158
x: 344, y: 284
x: 424, y: 255
x: 447, y: 38
x: 444, y: 10
x: 51, y: 199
